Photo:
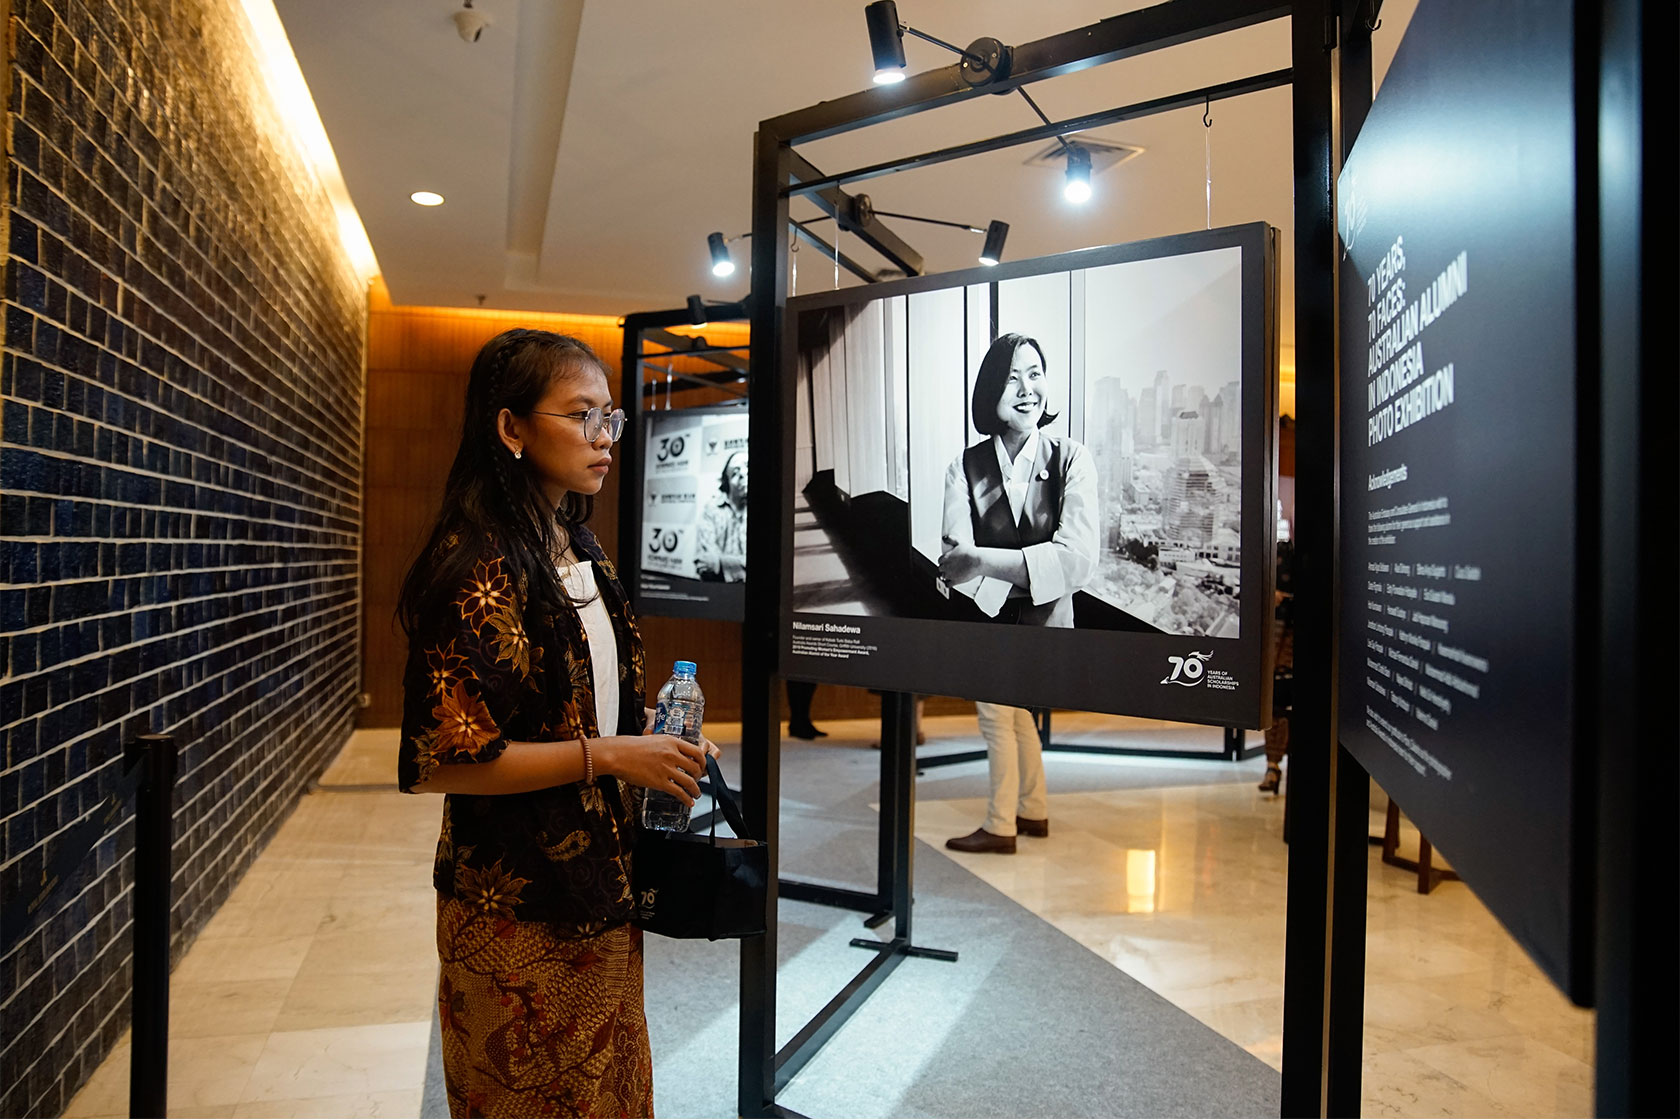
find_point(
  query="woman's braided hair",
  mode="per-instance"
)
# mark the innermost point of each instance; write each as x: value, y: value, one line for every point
x: 491, y: 497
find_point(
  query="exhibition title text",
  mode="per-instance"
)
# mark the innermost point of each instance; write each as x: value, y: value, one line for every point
x: 1398, y: 393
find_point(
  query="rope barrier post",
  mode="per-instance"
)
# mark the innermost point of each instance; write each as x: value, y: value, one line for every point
x: 154, y: 838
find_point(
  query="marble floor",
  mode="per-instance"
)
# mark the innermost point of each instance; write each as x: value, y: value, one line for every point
x: 309, y: 993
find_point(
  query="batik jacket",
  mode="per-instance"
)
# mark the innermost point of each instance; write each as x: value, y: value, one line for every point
x: 491, y: 672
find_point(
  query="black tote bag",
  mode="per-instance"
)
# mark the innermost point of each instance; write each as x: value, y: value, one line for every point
x: 692, y: 885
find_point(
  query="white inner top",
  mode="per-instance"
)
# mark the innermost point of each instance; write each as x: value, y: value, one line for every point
x: 1017, y: 473
x: 579, y: 580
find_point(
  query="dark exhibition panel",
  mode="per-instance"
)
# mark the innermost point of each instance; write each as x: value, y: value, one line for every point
x: 683, y: 498
x: 1460, y: 456
x: 1146, y: 521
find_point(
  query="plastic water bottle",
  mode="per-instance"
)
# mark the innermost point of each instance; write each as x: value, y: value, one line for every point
x: 678, y: 711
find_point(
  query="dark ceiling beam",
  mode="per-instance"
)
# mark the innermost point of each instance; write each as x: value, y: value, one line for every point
x: 1123, y: 36
x: 843, y: 208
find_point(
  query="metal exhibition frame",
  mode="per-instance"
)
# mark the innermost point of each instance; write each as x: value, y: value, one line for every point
x: 1627, y: 491
x: 1318, y: 987
x: 651, y: 326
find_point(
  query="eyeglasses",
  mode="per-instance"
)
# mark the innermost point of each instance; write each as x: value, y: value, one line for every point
x: 594, y: 419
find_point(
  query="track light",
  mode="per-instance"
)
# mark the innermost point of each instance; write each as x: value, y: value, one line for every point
x: 697, y: 314
x: 721, y: 264
x: 886, y: 41
x: 996, y: 231
x: 1078, y: 187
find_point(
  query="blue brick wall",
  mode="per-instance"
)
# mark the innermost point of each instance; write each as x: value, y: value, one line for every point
x: 181, y: 398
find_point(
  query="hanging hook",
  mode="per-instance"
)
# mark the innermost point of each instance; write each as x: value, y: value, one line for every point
x: 1207, y: 107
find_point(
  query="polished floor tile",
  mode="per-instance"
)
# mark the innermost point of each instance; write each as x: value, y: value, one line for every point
x: 309, y: 993
x: 1184, y: 888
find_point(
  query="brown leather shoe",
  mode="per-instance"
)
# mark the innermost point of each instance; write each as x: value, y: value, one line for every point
x: 1026, y: 827
x: 982, y: 841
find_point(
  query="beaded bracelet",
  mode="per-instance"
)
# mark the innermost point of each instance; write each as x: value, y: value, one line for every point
x: 588, y: 762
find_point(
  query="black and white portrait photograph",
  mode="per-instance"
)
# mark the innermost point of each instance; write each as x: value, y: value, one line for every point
x: 694, y: 503
x: 1061, y: 449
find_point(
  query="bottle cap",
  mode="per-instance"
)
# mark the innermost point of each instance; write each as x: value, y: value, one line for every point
x: 684, y: 668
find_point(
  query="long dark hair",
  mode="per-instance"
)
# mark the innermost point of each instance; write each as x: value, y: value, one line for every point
x: 490, y: 497
x: 994, y: 375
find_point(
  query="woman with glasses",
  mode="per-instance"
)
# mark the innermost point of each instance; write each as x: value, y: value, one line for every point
x: 523, y: 706
x: 1020, y: 537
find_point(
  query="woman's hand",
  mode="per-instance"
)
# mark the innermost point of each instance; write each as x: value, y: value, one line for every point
x: 960, y: 563
x: 647, y: 729
x: 658, y: 762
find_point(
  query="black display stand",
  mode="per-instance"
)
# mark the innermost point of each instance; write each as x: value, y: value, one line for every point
x: 1234, y: 748
x: 779, y: 173
x: 641, y: 328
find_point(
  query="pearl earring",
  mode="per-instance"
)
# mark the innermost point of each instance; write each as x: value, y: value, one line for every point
x: 519, y: 453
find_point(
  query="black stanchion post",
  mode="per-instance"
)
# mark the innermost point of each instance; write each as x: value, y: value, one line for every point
x: 154, y: 838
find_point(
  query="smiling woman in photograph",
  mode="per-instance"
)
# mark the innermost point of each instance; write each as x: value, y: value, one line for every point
x: 1019, y: 538
x: 523, y: 704
x: 1020, y: 530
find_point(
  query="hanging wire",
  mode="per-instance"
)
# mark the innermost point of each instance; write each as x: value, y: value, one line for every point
x: 667, y: 388
x: 793, y: 263
x: 1207, y: 155
x: 838, y: 230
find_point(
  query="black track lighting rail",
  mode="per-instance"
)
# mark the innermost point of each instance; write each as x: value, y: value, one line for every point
x: 1190, y: 98
x: 1128, y: 35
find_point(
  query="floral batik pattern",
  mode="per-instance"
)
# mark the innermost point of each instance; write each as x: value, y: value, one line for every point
x: 537, y: 1025
x: 492, y: 671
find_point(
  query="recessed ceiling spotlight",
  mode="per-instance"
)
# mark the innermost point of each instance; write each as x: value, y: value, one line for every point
x: 426, y: 198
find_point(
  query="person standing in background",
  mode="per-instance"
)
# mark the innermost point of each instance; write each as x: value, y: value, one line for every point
x: 1018, y: 804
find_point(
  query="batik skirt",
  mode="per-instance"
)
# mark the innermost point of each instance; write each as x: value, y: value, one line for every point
x: 537, y: 1025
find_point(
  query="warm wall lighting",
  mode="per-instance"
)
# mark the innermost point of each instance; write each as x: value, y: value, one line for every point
x: 295, y: 109
x: 426, y: 198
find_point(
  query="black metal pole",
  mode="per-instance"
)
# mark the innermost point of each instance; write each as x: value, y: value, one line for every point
x: 898, y: 802
x: 771, y: 495
x: 629, y: 453
x: 1320, y: 917
x: 1351, y: 785
x: 154, y: 838
x: 887, y: 834
x: 1630, y: 753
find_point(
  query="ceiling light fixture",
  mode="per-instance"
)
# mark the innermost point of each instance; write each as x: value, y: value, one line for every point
x: 1078, y: 185
x: 992, y: 253
x: 722, y: 265
x: 985, y: 60
x: 426, y: 198
x: 697, y: 314
x: 886, y: 41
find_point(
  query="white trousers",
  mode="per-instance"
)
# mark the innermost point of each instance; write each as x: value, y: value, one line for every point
x: 1015, y: 758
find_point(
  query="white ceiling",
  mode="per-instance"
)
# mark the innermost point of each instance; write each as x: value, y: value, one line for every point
x: 587, y: 148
